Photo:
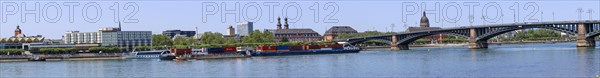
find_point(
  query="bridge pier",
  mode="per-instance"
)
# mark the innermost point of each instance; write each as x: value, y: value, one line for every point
x: 582, y: 41
x: 478, y: 45
x: 399, y: 47
x: 473, y: 42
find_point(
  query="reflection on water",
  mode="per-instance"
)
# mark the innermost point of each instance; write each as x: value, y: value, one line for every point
x: 519, y: 60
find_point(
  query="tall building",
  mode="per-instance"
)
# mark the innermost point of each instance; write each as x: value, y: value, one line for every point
x: 244, y: 28
x: 230, y: 30
x: 173, y: 33
x: 110, y: 37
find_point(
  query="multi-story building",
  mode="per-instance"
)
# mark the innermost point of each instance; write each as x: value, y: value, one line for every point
x: 18, y: 39
x: 332, y: 32
x: 244, y: 28
x: 230, y: 31
x: 294, y: 34
x: 341, y: 30
x: 110, y: 37
x: 173, y: 33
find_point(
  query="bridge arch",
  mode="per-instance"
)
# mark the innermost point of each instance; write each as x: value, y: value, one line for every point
x: 413, y: 37
x: 385, y: 40
x: 502, y: 30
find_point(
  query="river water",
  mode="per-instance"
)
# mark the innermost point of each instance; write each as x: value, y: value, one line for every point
x: 515, y: 60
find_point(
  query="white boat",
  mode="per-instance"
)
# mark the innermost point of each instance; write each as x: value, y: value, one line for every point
x: 153, y: 54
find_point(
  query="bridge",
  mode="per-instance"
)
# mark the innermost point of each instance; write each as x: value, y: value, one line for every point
x: 478, y: 36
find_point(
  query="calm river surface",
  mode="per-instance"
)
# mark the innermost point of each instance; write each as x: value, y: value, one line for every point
x: 516, y: 60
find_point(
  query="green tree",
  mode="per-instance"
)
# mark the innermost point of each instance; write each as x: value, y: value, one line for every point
x: 184, y: 41
x: 161, y: 40
x: 259, y: 37
x: 212, y: 38
x: 284, y: 39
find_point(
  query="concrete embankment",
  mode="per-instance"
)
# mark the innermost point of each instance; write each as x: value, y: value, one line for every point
x: 58, y: 57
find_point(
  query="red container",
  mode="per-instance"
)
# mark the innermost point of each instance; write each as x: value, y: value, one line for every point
x: 181, y: 51
x: 230, y: 49
x: 311, y: 47
x: 296, y: 48
x: 266, y: 48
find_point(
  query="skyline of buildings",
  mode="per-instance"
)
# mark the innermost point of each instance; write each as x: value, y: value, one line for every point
x: 110, y: 37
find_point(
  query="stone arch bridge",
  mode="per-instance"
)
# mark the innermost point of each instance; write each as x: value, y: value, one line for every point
x: 479, y: 35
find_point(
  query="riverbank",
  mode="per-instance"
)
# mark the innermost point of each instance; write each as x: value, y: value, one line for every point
x: 60, y: 57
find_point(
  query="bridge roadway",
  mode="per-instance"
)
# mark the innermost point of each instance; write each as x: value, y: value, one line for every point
x: 478, y: 36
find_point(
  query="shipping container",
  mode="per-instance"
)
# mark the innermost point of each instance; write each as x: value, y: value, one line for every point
x: 283, y: 47
x: 311, y: 47
x: 296, y: 48
x: 214, y: 50
x: 229, y: 49
x: 178, y: 52
x: 266, y: 48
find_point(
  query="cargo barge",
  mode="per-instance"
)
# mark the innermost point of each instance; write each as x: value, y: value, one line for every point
x: 303, y: 50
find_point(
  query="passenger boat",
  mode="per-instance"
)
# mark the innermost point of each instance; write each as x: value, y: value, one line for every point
x: 153, y: 54
x: 167, y: 56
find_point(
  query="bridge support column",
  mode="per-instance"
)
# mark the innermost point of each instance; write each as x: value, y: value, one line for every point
x: 473, y: 42
x: 582, y: 41
x: 478, y: 45
x: 399, y: 47
x: 396, y: 46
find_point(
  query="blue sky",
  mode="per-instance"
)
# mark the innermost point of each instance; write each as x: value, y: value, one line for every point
x: 363, y: 15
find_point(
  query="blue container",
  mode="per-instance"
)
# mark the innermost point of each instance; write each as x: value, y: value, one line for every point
x: 214, y: 50
x: 282, y: 47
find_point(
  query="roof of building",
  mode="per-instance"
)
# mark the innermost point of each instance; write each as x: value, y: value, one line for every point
x: 296, y: 31
x: 22, y: 39
x: 340, y: 29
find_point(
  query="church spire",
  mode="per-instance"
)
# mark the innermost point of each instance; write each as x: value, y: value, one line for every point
x: 278, y: 23
x: 286, y: 25
x: 119, y: 25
